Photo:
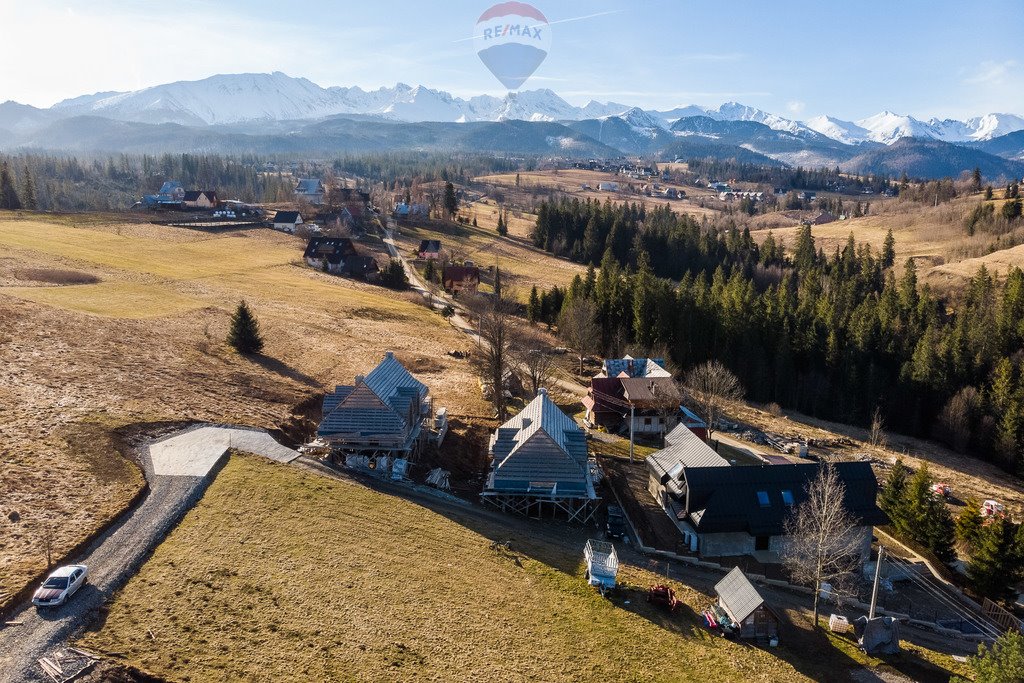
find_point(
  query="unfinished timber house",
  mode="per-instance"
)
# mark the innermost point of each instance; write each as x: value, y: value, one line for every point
x: 387, y: 413
x: 540, y: 466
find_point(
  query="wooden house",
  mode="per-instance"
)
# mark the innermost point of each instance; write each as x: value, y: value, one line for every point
x: 750, y: 614
x: 458, y: 279
x: 539, y: 464
x: 203, y: 200
x: 310, y: 190
x: 287, y: 221
x: 386, y: 413
x: 430, y: 249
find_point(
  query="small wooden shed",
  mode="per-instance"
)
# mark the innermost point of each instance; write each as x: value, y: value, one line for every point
x: 751, y: 616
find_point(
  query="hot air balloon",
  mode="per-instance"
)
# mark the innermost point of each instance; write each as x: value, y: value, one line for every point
x: 512, y: 39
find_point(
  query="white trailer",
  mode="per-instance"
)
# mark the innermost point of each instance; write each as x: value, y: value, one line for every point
x: 602, y: 564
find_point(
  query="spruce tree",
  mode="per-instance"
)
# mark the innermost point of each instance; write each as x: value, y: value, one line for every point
x: 8, y: 195
x: 502, y: 228
x: 533, y: 309
x: 244, y: 335
x: 889, y: 250
x: 995, y: 562
x: 28, y: 192
x: 968, y: 524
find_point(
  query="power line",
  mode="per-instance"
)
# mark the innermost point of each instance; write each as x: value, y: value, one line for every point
x: 952, y: 603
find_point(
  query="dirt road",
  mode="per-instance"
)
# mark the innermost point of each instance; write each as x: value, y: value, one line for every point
x: 114, y: 557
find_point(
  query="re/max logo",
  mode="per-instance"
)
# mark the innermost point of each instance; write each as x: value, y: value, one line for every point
x: 512, y: 30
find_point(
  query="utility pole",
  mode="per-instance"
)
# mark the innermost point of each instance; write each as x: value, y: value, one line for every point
x: 878, y: 576
x: 631, y: 413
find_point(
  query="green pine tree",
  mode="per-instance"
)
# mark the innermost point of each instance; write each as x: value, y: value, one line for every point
x: 244, y: 335
x: 28, y: 192
x: 533, y: 308
x: 968, y: 524
x: 451, y: 201
x: 995, y: 562
x: 889, y: 250
x: 8, y: 195
x: 1001, y: 663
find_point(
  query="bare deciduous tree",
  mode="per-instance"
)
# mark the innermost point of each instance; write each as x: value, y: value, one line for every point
x: 877, y: 436
x: 822, y: 543
x: 711, y: 386
x: 577, y: 326
x: 494, y: 318
x: 667, y: 396
x: 533, y: 355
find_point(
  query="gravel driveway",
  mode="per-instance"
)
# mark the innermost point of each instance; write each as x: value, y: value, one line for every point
x: 116, y: 556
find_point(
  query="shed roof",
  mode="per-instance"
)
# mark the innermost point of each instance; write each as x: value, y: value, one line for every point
x: 738, y: 596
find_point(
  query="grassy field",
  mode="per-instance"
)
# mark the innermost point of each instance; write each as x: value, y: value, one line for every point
x: 521, y: 265
x: 571, y: 181
x: 934, y: 236
x: 145, y: 343
x: 284, y: 575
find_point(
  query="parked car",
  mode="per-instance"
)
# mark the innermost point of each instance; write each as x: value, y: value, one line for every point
x: 60, y: 585
x: 616, y: 524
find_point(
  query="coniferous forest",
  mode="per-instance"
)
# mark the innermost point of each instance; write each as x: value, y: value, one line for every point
x: 835, y: 335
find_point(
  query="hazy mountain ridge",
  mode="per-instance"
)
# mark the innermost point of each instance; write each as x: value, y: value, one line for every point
x: 237, y: 98
x: 275, y: 113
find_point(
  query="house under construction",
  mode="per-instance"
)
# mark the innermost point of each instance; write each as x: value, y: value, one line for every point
x: 387, y: 413
x: 539, y: 465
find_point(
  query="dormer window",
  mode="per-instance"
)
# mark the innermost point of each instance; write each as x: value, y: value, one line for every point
x: 762, y: 498
x: 787, y: 497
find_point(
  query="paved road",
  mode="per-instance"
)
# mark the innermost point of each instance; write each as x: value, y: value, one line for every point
x: 183, y: 465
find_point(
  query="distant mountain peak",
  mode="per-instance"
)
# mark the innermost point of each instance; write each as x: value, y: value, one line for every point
x: 276, y: 96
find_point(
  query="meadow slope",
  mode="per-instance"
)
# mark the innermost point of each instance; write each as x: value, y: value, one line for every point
x: 142, y: 340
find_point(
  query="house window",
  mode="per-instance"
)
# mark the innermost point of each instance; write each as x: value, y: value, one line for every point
x: 647, y: 422
x: 762, y: 498
x: 761, y: 542
x: 787, y: 496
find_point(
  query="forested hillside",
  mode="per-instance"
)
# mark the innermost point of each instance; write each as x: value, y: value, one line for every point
x: 832, y: 335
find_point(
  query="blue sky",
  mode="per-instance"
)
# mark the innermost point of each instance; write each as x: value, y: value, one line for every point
x: 795, y: 58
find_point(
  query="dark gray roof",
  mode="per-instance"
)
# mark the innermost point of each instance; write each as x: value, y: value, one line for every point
x: 309, y: 186
x: 726, y: 499
x: 287, y: 217
x: 738, y: 596
x: 684, y: 449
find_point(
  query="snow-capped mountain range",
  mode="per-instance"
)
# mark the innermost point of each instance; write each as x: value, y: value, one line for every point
x: 241, y: 98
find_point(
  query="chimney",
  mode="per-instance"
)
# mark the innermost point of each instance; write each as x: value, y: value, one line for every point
x: 527, y: 422
x: 389, y: 355
x: 542, y: 392
x: 359, y: 379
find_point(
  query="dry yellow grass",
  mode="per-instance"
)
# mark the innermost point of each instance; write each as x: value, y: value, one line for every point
x: 934, y: 236
x: 146, y: 344
x: 521, y: 265
x: 571, y: 181
x: 288, y: 576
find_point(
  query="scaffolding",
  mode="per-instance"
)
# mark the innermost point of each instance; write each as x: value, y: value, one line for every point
x: 542, y: 499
